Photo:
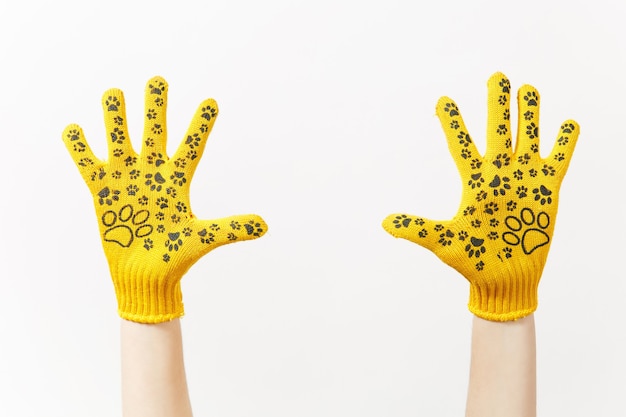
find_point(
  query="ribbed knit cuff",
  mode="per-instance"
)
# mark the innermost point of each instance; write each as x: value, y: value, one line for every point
x: 510, y: 296
x: 145, y: 298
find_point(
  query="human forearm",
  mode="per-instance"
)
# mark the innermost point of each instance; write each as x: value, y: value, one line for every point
x: 503, y: 369
x: 153, y: 372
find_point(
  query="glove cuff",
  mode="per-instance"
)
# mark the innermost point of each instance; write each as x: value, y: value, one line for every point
x: 144, y: 298
x: 510, y: 296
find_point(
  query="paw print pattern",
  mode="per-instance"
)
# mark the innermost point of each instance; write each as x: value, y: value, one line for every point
x: 208, y: 112
x: 451, y: 109
x: 118, y: 135
x: 502, y: 160
x: 464, y: 138
x: 126, y: 224
x: 402, y: 221
x: 543, y: 195
x: 532, y: 130
x: 174, y: 241
x: 206, y: 237
x: 500, y: 185
x: 112, y: 103
x: 527, y: 230
x: 253, y: 228
x: 475, y: 247
x: 531, y: 98
x: 445, y: 238
x: 476, y: 180
x: 108, y: 196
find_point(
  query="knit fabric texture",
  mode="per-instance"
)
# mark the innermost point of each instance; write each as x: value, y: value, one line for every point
x: 149, y: 233
x: 500, y: 237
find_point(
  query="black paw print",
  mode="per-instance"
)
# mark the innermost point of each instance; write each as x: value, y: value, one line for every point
x: 112, y: 103
x: 568, y: 128
x: 178, y: 178
x: 73, y: 135
x: 491, y: 207
x: 130, y: 161
x: 511, y: 205
x: 500, y: 185
x: 543, y: 195
x: 563, y: 140
x: 235, y: 225
x: 157, y: 129
x: 454, y: 125
x: 505, y: 84
x: 85, y: 161
x: 559, y: 156
x: 506, y: 253
x: 475, y: 247
x: 451, y: 109
x: 521, y: 191
x: 148, y: 243
x: 523, y: 159
x: 533, y: 236
x: 481, y: 195
x: 152, y: 114
x: 120, y: 225
x: 445, y: 239
x: 107, y: 196
x: 253, y: 228
x: 208, y: 112
x: 155, y: 182
x: 476, y: 163
x: 531, y: 98
x: 469, y: 210
x: 181, y: 207
x: 501, y: 130
x: 402, y: 220
x: 193, y: 140
x: 206, y: 237
x: 157, y: 87
x: 174, y: 241
x: 118, y: 135
x: 476, y: 180
x: 532, y: 130
x: 464, y: 138
x: 502, y: 159
x: 162, y: 202
x: 528, y: 115
x: 548, y: 170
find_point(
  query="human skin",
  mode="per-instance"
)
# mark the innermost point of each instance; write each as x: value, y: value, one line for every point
x: 503, y: 369
x: 154, y: 383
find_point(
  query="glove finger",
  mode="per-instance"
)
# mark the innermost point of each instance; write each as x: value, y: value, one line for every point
x: 527, y: 143
x: 154, y: 142
x: 563, y: 149
x: 461, y: 146
x: 498, y: 115
x: 191, y: 148
x: 211, y: 234
x: 80, y: 151
x: 120, y: 148
x: 424, y: 232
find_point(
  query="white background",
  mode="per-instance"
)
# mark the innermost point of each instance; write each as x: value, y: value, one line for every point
x: 326, y: 126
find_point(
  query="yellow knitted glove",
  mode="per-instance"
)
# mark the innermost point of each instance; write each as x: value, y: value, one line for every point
x: 149, y: 234
x: 500, y: 237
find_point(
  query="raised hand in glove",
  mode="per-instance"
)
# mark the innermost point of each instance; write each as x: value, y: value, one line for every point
x: 500, y: 237
x: 149, y: 233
